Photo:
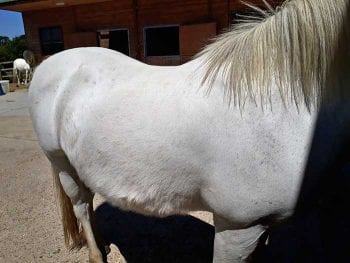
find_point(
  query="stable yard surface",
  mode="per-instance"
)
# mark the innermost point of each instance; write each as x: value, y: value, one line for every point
x: 30, y: 228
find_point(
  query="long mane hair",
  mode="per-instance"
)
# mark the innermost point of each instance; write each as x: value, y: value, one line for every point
x: 292, y: 46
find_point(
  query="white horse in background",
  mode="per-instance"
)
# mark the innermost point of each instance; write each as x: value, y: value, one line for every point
x: 20, y: 67
x: 152, y: 140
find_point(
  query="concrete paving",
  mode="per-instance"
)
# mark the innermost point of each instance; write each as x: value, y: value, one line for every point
x: 14, y: 103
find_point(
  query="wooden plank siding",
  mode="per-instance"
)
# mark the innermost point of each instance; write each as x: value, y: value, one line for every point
x: 80, y: 23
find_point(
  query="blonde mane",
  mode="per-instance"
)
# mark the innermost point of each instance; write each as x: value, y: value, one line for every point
x: 293, y: 46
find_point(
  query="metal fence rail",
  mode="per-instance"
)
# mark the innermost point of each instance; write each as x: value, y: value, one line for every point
x: 6, y: 70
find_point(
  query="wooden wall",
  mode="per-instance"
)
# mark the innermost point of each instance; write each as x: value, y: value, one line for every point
x: 80, y: 23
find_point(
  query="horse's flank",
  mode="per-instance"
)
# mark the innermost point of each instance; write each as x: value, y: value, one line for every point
x: 292, y: 46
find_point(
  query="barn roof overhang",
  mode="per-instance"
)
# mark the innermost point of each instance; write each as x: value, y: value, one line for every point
x: 31, y: 5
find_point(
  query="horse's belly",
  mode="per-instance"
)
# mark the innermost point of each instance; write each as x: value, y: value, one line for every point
x: 139, y: 172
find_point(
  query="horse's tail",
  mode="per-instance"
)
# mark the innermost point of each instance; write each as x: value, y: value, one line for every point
x: 73, y: 235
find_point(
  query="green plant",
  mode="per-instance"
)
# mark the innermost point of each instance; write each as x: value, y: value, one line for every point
x: 10, y: 49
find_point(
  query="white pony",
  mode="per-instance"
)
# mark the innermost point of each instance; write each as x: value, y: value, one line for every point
x: 20, y: 66
x: 152, y: 140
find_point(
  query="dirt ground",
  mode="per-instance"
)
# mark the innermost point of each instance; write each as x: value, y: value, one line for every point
x: 30, y: 228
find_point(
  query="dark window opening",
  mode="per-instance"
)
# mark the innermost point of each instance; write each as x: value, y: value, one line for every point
x: 117, y: 40
x: 162, y: 41
x: 51, y: 40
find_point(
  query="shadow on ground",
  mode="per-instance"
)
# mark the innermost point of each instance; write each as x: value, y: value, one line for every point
x: 147, y: 239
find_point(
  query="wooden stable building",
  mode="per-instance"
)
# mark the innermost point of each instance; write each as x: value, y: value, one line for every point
x: 163, y: 32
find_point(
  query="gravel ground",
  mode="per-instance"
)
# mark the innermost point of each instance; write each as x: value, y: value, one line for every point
x: 30, y: 228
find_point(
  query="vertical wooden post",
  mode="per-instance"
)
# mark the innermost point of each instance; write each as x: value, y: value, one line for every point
x: 228, y: 14
x: 210, y: 9
x: 136, y: 24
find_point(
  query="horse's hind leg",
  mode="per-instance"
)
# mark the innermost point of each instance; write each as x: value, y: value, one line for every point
x: 235, y: 245
x: 26, y: 79
x: 81, y: 198
x: 18, y: 76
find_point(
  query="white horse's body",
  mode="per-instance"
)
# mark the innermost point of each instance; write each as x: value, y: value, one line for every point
x: 150, y: 139
x: 20, y: 66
